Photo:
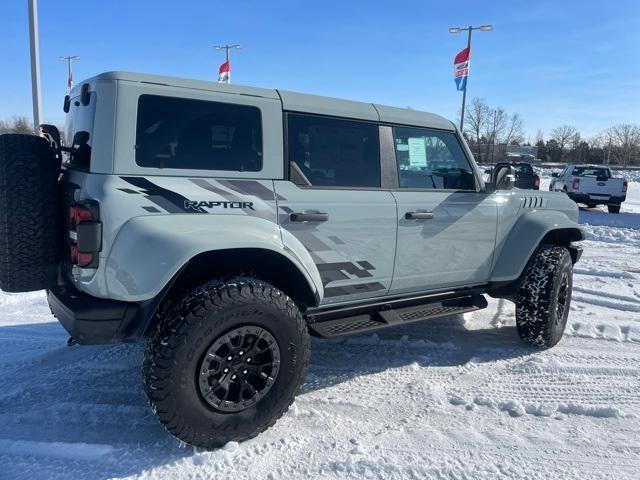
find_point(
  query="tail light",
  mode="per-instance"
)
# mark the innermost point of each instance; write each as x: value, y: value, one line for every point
x: 536, y: 182
x: 85, y: 234
x: 576, y: 184
x: 79, y: 258
x: 625, y: 184
x: 79, y: 213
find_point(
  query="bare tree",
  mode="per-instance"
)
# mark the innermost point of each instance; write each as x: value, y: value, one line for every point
x: 626, y: 138
x: 475, y: 121
x: 17, y: 124
x: 514, y: 131
x: 563, y: 135
x: 494, y: 129
x: 539, y: 137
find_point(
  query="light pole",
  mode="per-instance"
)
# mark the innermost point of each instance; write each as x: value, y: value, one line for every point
x: 226, y: 48
x: 69, y: 59
x: 469, y: 29
x: 35, y: 62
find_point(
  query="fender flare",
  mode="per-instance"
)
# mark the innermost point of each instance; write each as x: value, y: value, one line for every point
x: 525, y: 236
x: 149, y: 250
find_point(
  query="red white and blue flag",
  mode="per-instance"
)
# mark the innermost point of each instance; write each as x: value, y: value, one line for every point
x: 461, y: 69
x: 224, y: 74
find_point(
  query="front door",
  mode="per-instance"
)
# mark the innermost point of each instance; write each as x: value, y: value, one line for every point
x: 334, y: 206
x: 446, y: 228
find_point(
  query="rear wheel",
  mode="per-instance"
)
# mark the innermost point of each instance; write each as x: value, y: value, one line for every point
x: 28, y: 213
x: 613, y: 208
x: 544, y: 298
x: 226, y: 361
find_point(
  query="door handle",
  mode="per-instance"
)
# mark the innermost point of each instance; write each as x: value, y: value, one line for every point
x: 308, y: 217
x: 418, y: 215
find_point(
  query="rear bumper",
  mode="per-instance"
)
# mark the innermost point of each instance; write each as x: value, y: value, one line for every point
x: 587, y: 198
x: 92, y: 320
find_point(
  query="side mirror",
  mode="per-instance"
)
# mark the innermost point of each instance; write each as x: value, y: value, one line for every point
x: 555, y: 174
x: 503, y: 177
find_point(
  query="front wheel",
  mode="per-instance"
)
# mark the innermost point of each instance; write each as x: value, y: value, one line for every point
x: 226, y: 361
x: 544, y: 298
x: 613, y: 208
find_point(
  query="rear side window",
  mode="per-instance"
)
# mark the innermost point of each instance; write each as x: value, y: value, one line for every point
x: 78, y: 132
x: 332, y: 152
x: 431, y: 159
x: 199, y: 135
x: 591, y: 172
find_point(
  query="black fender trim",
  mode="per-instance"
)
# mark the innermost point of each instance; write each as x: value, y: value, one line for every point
x: 95, y: 321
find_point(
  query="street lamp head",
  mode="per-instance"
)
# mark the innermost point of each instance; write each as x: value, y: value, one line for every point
x: 486, y: 28
x: 455, y: 30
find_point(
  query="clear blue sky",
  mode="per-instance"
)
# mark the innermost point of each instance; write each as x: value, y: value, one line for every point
x: 554, y: 62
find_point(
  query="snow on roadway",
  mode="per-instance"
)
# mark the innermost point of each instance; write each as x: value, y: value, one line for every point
x: 455, y: 398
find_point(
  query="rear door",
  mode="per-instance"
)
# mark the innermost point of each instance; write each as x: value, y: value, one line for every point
x: 446, y: 227
x: 334, y: 205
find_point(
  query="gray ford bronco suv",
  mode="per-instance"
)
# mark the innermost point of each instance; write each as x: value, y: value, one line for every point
x: 225, y: 224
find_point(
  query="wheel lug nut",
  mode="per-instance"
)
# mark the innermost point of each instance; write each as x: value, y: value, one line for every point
x: 241, y: 353
x: 245, y: 371
x: 225, y: 370
x: 248, y: 359
x: 229, y: 358
x: 233, y: 377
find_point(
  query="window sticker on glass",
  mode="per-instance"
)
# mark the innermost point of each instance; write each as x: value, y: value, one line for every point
x: 417, y: 152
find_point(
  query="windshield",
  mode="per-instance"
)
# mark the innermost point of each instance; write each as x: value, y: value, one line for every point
x: 591, y: 172
x: 78, y: 132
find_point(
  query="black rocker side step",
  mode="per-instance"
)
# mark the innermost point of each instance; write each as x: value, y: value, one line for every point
x: 384, y: 318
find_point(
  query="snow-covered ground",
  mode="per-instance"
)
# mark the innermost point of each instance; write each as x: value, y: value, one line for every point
x: 459, y: 398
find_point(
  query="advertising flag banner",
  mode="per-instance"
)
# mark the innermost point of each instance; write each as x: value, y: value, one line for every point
x: 224, y: 74
x: 461, y: 69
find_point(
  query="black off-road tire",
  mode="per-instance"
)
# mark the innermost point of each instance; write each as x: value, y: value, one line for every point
x: 544, y: 298
x: 29, y: 209
x: 613, y: 208
x: 591, y: 205
x: 189, y: 327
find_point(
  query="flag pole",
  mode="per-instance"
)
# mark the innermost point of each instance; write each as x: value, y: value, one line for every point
x: 469, y: 29
x: 464, y: 92
x: 34, y: 43
x: 69, y: 59
x: 227, y: 48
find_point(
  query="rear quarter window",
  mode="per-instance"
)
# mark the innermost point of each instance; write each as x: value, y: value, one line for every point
x: 197, y: 134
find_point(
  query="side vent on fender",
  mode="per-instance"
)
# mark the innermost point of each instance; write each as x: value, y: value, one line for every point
x: 530, y: 203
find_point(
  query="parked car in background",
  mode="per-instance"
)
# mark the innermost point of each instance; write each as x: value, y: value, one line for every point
x: 525, y: 177
x: 591, y: 185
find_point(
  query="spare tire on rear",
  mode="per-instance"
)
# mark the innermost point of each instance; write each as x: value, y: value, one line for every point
x: 29, y: 209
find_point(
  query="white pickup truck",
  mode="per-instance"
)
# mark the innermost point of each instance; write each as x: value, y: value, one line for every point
x: 591, y: 185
